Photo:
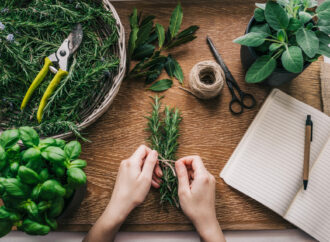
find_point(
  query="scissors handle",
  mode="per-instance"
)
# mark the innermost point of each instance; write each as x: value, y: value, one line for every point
x: 247, y: 100
x: 236, y: 106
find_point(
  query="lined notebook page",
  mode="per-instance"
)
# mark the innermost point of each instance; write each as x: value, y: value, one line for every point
x: 310, y: 209
x: 267, y: 165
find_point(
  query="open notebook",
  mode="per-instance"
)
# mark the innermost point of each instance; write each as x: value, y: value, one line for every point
x: 267, y: 165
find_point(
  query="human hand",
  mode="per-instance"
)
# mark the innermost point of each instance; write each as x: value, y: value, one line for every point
x: 197, y: 197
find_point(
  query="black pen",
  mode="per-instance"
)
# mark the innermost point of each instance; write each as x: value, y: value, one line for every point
x: 308, y: 140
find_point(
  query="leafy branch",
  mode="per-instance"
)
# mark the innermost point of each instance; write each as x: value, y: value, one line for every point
x: 147, y: 42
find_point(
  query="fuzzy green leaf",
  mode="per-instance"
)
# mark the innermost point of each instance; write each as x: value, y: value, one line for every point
x: 292, y: 59
x: 143, y: 51
x: 259, y: 14
x: 324, y: 26
x: 161, y: 85
x: 294, y: 24
x: 261, y: 5
x: 252, y: 39
x: 308, y: 41
x: 304, y: 17
x: 324, y: 48
x: 260, y: 69
x: 275, y: 46
x: 281, y: 35
x: 260, y: 28
x: 323, y: 11
x: 175, y: 21
x: 161, y: 34
x: 276, y: 16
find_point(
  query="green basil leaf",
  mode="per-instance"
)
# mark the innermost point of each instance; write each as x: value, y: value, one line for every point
x: 260, y: 69
x: 252, y: 39
x: 323, y: 11
x: 59, y: 171
x: 33, y: 228
x: 78, y: 164
x: 3, y: 154
x: 324, y: 48
x: 51, y: 189
x: 170, y: 66
x: 31, y: 154
x: 35, y: 192
x: 29, y: 136
x: 292, y: 59
x: 161, y: 85
x: 161, y: 34
x: 46, y: 142
x: 308, y: 41
x: 259, y: 15
x: 43, y: 206
x: 304, y: 17
x: 14, y: 168
x: 51, y: 222
x: 14, y: 149
x: 5, y: 227
x: 28, y: 175
x: 15, y: 188
x: 260, y: 28
x: 31, y: 208
x: 76, y: 176
x: 178, y: 71
x: 60, y: 143
x: 188, y: 31
x: 54, y: 154
x: 143, y: 51
x: 72, y: 150
x: 175, y: 21
x: 69, y: 191
x: 144, y: 33
x: 56, y: 207
x: 276, y: 16
x: 9, y: 138
x: 261, y: 5
x: 8, y: 215
x: 294, y: 24
x: 44, y: 174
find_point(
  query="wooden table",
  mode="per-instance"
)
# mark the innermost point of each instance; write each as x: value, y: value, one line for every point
x: 208, y: 128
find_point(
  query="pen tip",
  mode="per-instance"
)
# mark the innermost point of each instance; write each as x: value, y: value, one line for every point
x: 305, y: 184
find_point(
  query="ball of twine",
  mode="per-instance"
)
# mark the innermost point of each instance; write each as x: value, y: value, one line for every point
x: 206, y: 79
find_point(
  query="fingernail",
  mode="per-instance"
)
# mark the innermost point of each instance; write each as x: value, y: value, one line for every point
x: 159, y: 172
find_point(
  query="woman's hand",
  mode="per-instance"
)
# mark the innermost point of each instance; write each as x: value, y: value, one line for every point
x: 135, y: 177
x: 197, y: 197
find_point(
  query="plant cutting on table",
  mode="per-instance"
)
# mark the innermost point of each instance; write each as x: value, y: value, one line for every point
x: 37, y: 182
x: 287, y: 34
x: 147, y: 42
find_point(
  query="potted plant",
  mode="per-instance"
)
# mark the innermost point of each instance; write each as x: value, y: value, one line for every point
x: 38, y: 181
x: 283, y: 38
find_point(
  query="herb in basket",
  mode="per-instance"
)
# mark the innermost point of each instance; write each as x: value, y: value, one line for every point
x: 147, y: 42
x: 36, y: 183
x: 164, y: 132
x: 289, y: 34
x: 30, y: 31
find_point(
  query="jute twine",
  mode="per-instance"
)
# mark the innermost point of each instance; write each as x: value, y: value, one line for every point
x: 206, y: 80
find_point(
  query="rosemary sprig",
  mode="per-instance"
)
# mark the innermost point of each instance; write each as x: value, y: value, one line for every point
x: 163, y: 138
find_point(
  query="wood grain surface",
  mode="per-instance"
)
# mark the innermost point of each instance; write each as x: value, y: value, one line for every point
x: 208, y: 128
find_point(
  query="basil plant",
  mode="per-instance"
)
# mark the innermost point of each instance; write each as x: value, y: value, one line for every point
x: 287, y: 34
x: 36, y: 181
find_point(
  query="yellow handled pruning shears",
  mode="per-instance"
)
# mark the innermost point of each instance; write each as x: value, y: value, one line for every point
x: 61, y: 58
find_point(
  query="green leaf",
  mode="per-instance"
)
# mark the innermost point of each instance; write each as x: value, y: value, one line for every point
x: 44, y: 174
x: 29, y: 136
x: 178, y: 71
x: 324, y: 26
x: 132, y: 40
x: 260, y: 69
x: 161, y: 85
x: 44, y: 143
x: 78, y: 164
x: 276, y: 16
x: 292, y: 59
x: 283, y: 2
x: 133, y: 19
x: 56, y: 207
x: 181, y: 41
x: 72, y: 150
x: 275, y: 46
x: 308, y: 41
x: 54, y: 154
x: 9, y: 138
x: 170, y: 66
x: 324, y: 48
x: 31, y: 154
x: 157, y: 70
x: 143, y: 34
x: 51, y: 222
x: 188, y: 31
x: 261, y: 5
x: 323, y: 11
x: 28, y: 175
x: 3, y: 154
x: 281, y: 35
x: 76, y: 176
x: 294, y: 24
x: 15, y: 188
x: 51, y: 189
x: 35, y: 192
x: 30, y: 207
x: 175, y: 21
x: 5, y: 227
x: 260, y: 28
x: 143, y: 51
x: 60, y: 143
x: 161, y: 34
x: 14, y: 168
x: 252, y: 39
x: 259, y: 15
x: 43, y: 206
x: 31, y: 227
x: 304, y: 17
x: 147, y: 19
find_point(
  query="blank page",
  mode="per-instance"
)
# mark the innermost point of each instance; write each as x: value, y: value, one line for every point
x: 310, y: 209
x: 267, y: 165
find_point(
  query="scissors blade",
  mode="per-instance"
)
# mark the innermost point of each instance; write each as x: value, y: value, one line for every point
x: 75, y: 38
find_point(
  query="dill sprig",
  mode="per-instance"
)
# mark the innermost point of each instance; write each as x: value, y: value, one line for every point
x: 163, y: 138
x: 38, y: 28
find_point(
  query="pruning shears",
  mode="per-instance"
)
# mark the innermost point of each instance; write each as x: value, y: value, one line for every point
x: 60, y: 58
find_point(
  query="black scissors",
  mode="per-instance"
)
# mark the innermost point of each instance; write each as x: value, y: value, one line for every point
x: 237, y: 104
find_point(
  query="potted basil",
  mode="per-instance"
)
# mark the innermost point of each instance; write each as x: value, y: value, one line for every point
x: 37, y: 182
x: 283, y: 38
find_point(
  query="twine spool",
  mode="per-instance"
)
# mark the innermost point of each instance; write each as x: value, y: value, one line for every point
x: 206, y: 79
